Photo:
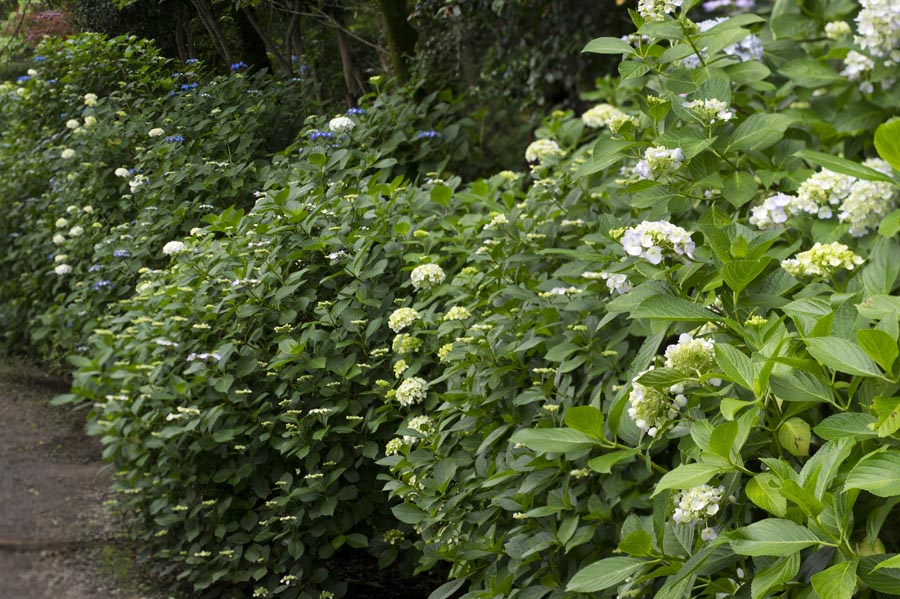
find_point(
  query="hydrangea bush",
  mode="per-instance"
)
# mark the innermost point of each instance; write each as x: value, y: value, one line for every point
x: 660, y: 362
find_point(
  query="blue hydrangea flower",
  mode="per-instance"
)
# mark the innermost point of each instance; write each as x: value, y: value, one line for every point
x: 355, y: 110
x: 94, y: 268
x: 23, y: 79
x: 238, y: 66
x: 428, y: 134
x: 314, y: 135
x: 101, y: 284
x: 120, y: 253
x: 174, y: 139
x: 39, y: 58
x: 192, y: 61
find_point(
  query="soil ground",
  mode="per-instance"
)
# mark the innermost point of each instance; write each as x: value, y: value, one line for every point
x: 56, y: 541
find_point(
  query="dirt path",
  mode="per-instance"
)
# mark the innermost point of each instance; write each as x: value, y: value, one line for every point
x: 56, y: 542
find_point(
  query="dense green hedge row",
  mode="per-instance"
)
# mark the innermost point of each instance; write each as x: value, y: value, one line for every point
x: 663, y: 362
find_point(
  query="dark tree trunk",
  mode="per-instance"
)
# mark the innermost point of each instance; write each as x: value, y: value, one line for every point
x: 352, y: 76
x: 401, y: 37
x: 211, y: 23
x: 254, y: 42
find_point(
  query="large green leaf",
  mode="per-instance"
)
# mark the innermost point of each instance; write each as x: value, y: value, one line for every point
x: 843, y: 166
x: 604, y: 463
x: 759, y: 132
x: 669, y: 307
x: 604, y: 574
x: 878, y: 474
x: 880, y: 346
x: 842, y: 355
x: 773, y: 536
x: 586, y: 419
x: 736, y: 366
x: 836, y: 582
x: 798, y: 385
x: 552, y: 440
x: 887, y: 142
x: 763, y: 490
x: 777, y: 573
x: 608, y: 45
x: 740, y: 273
x: 853, y: 425
x: 686, y: 476
x: 886, y: 580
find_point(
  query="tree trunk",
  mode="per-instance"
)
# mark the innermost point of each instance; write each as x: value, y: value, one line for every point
x: 212, y: 27
x: 254, y: 41
x: 401, y: 37
x: 352, y: 76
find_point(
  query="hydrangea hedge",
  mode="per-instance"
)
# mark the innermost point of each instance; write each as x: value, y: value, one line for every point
x: 661, y: 363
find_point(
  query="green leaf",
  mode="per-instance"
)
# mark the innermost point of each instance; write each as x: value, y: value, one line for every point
x: 805, y: 499
x: 887, y: 142
x: 776, y: 574
x: 842, y: 166
x: 799, y: 385
x: 809, y: 72
x: 758, y: 132
x: 887, y: 409
x: 586, y: 419
x: 638, y: 543
x: 850, y: 424
x: 740, y: 273
x: 763, y: 490
x: 662, y: 377
x: 773, y: 536
x: 842, y: 355
x: 668, y: 307
x: 739, y: 188
x: 448, y: 589
x: 879, y: 306
x: 837, y: 582
x: 552, y: 440
x: 890, y: 224
x: 409, y: 513
x: 880, y: 346
x: 686, y: 476
x: 879, y: 474
x: 735, y: 365
x: 891, y: 562
x: 604, y: 463
x: 604, y: 574
x: 884, y: 581
x: 608, y: 45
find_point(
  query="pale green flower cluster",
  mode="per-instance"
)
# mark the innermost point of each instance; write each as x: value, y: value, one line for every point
x: 422, y: 425
x: 541, y: 149
x: 822, y: 260
x: 405, y: 344
x: 427, y: 276
x: 341, y: 124
x: 836, y: 30
x: 691, y: 355
x: 656, y: 10
x: 658, y: 162
x: 696, y: 504
x: 710, y: 110
x: 457, y: 313
x: 402, y: 318
x: 411, y: 391
x: 651, y: 409
x: 607, y: 115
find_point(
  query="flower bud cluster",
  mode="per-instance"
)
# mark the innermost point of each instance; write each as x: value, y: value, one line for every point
x: 689, y: 355
x: 710, y: 110
x: 411, y: 391
x: 650, y: 239
x: 651, y: 408
x: 427, y: 276
x: 607, y: 115
x: 656, y: 10
x: 542, y: 149
x: 822, y: 260
x: 402, y: 318
x: 694, y: 505
x: 658, y: 162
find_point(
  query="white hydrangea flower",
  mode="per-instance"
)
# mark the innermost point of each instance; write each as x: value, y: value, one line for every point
x: 62, y: 269
x: 690, y: 355
x: 76, y: 231
x: 878, y: 28
x: 137, y: 182
x: 836, y: 30
x: 59, y: 239
x: 773, y: 211
x: 67, y: 154
x: 173, y: 247
x: 617, y: 283
x: 656, y: 10
x: 122, y: 172
x: 422, y: 425
x: 457, y: 313
x: 90, y: 99
x: 658, y: 162
x: 651, y: 409
x: 72, y: 124
x: 699, y: 503
x: 341, y: 124
x: 607, y: 115
x: 402, y: 318
x: 649, y: 239
x: 710, y: 110
x: 822, y: 260
x: 541, y: 149
x: 61, y: 223
x: 156, y: 132
x: 868, y: 201
x: 856, y: 67
x: 708, y: 534
x: 823, y: 188
x: 404, y: 344
x: 89, y: 121
x: 411, y: 391
x: 427, y: 276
